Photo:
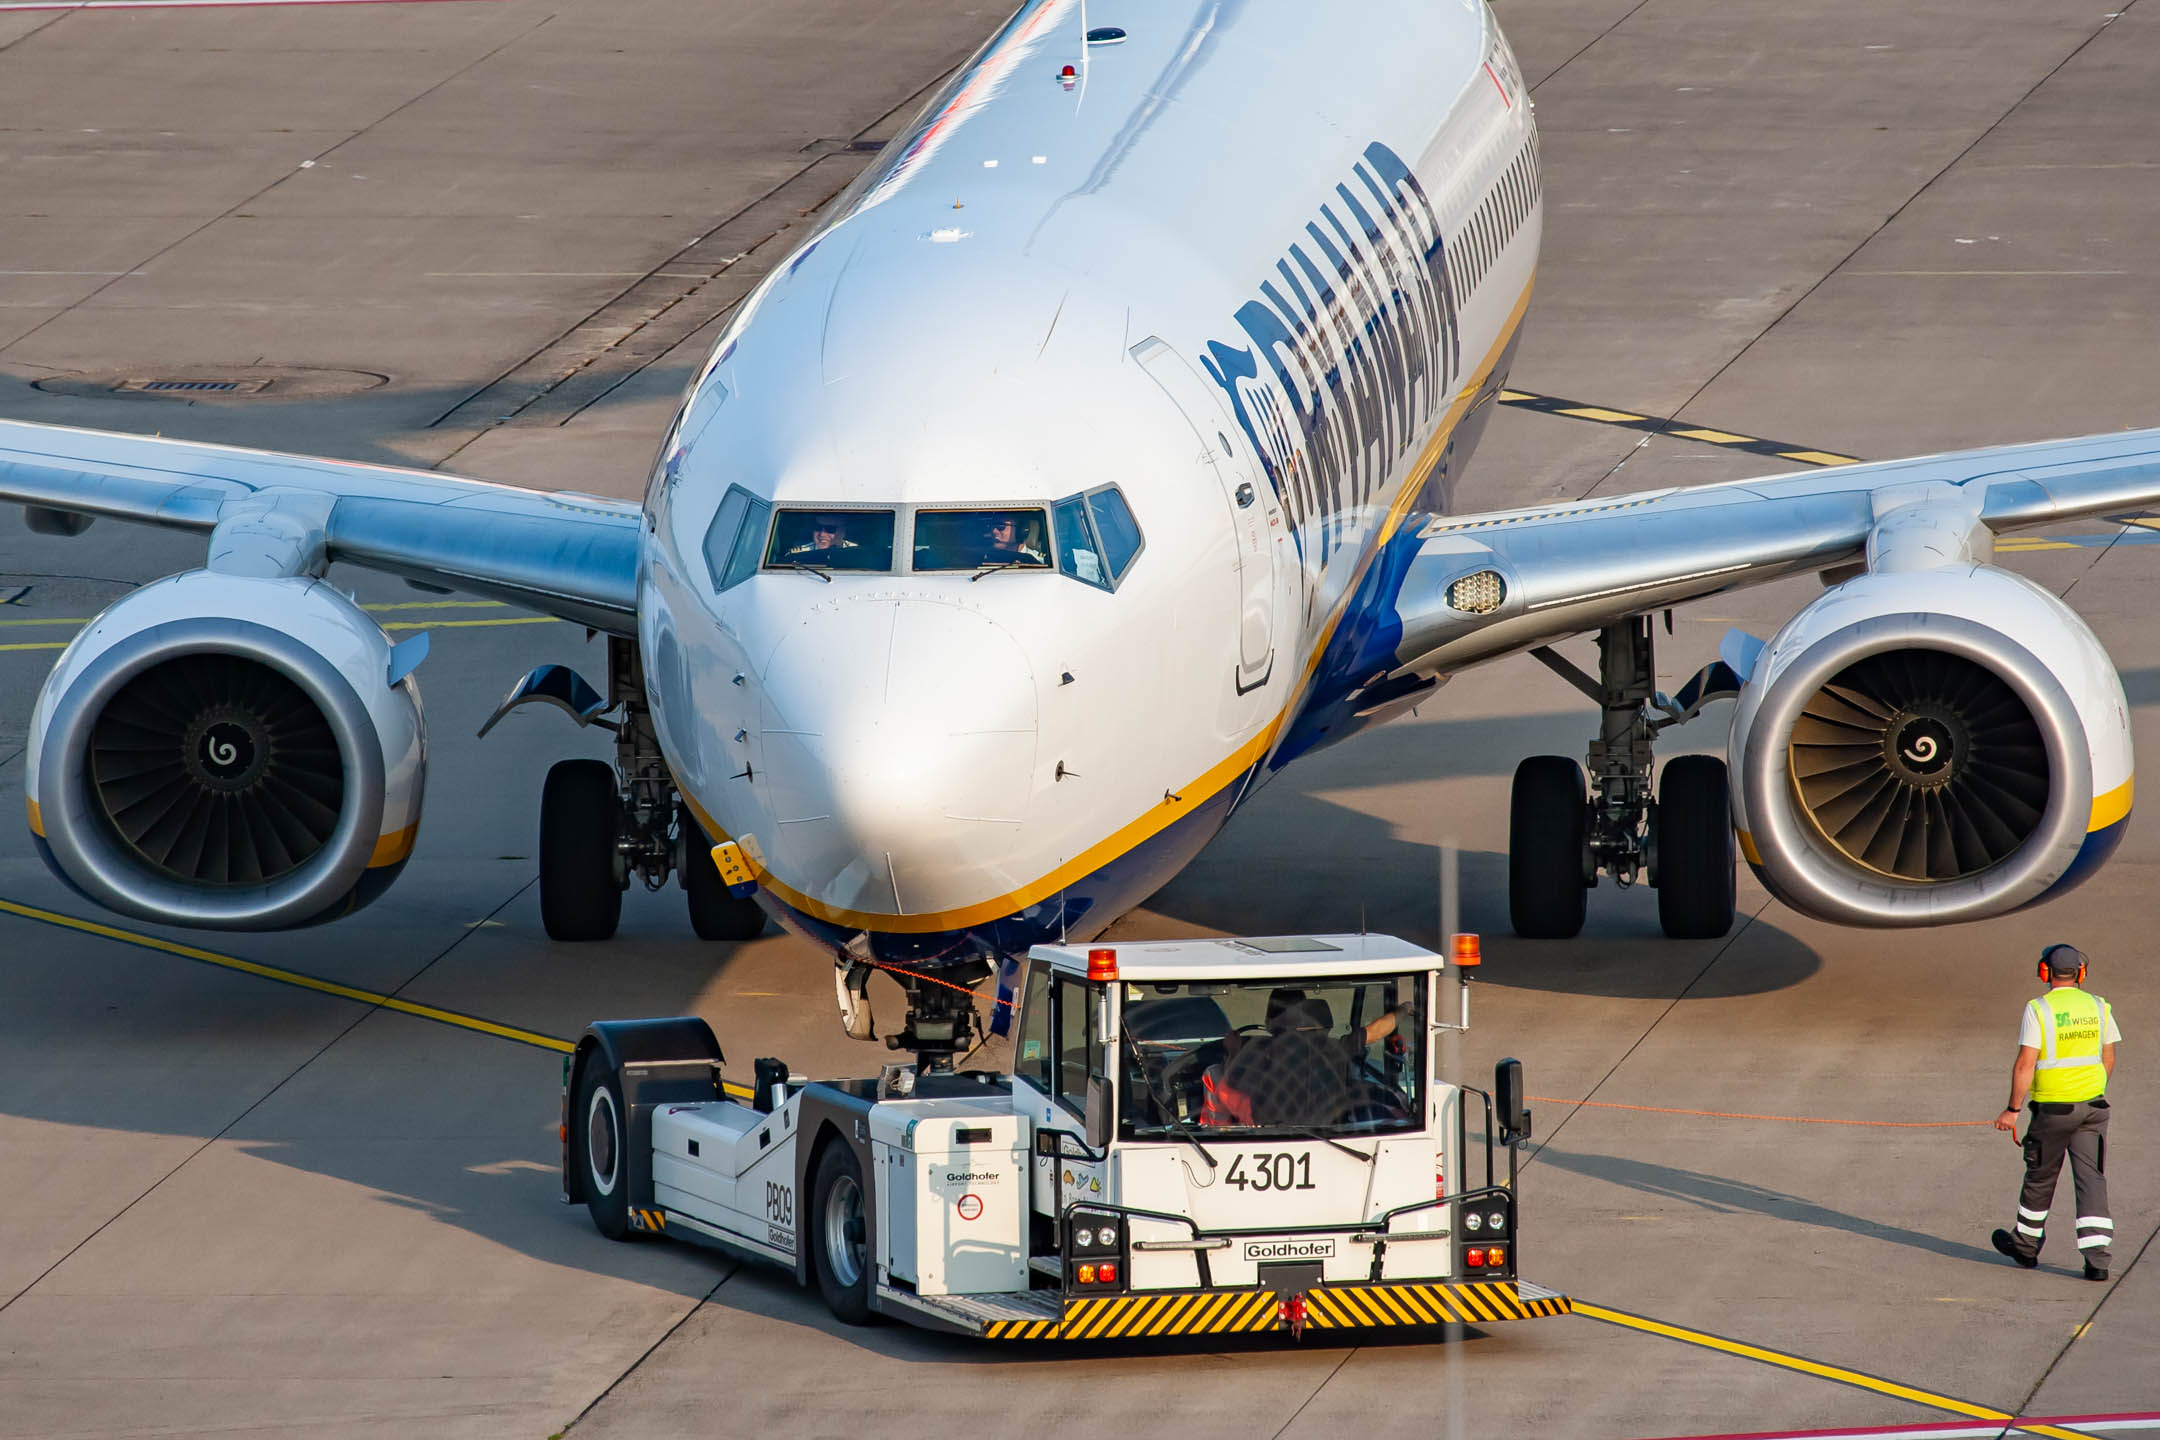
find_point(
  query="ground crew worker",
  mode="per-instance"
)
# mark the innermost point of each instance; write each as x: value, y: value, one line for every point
x: 2066, y: 1052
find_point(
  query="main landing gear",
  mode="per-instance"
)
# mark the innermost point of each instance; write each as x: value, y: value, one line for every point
x: 1561, y: 839
x: 600, y: 824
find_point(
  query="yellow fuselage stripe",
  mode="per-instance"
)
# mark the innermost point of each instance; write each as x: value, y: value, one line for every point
x: 1198, y: 792
x: 1838, y: 1373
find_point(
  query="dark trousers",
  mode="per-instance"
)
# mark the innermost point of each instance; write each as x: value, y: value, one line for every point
x: 2080, y: 1131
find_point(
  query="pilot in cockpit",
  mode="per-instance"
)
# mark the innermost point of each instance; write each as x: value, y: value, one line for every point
x: 1002, y: 544
x: 827, y: 533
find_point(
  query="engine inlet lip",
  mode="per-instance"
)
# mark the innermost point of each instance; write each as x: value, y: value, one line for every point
x: 1803, y: 868
x: 104, y: 870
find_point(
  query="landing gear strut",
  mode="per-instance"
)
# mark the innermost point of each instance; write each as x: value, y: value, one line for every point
x: 1680, y: 842
x: 601, y: 824
x: 941, y: 1024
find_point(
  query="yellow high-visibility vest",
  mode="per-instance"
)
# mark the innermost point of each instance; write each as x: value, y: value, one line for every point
x: 2072, y: 1025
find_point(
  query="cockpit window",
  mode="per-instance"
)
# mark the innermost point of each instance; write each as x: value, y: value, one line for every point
x: 831, y: 540
x: 735, y: 538
x: 970, y: 539
x: 1097, y: 536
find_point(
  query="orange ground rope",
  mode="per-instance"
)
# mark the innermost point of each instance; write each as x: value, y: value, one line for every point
x: 1787, y: 1119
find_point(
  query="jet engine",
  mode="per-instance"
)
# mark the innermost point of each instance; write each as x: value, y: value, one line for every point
x: 230, y: 752
x: 1929, y: 746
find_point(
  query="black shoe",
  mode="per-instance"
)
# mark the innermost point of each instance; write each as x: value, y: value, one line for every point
x: 2008, y: 1246
x: 2094, y: 1272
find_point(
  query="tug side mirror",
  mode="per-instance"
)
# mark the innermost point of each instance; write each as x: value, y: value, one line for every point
x: 1098, y: 1114
x: 1512, y: 1101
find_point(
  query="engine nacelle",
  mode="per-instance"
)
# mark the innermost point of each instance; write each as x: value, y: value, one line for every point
x: 229, y: 752
x: 1925, y: 747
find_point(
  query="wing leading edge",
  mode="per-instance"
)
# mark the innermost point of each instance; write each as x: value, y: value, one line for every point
x: 571, y: 556
x: 1567, y: 569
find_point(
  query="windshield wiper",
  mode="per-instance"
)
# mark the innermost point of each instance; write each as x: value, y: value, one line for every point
x: 992, y: 567
x: 818, y: 570
x: 1311, y: 1134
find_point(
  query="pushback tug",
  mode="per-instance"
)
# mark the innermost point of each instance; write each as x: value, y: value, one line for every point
x: 1195, y: 1137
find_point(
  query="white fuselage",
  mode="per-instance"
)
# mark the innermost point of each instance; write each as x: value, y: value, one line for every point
x: 1259, y: 269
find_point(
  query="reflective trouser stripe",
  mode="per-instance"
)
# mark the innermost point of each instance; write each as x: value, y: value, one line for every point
x: 2089, y: 1222
x: 2034, y: 1231
x: 2092, y: 1242
x: 2038, y: 1217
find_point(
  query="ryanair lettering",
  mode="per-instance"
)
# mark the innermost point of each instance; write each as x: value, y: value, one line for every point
x: 1358, y: 328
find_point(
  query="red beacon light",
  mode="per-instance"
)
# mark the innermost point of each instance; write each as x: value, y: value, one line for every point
x: 1463, y: 950
x: 1068, y: 77
x: 1102, y: 964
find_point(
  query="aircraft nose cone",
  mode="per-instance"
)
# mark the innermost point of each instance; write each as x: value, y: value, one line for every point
x: 898, y: 740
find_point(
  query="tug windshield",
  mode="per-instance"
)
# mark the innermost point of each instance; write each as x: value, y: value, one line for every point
x: 1331, y: 1057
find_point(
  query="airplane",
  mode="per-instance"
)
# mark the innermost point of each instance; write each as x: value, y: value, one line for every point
x: 1092, y: 460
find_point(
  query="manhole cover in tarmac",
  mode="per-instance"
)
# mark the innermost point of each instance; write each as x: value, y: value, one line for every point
x: 214, y: 382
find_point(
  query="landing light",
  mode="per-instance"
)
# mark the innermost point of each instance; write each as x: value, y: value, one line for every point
x: 1102, y: 964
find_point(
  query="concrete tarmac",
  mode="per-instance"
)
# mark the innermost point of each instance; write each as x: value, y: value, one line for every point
x: 496, y: 237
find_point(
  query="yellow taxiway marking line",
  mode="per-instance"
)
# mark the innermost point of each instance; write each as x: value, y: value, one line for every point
x: 454, y: 1018
x: 372, y: 609
x: 287, y: 977
x: 38, y: 645
x: 1856, y: 1378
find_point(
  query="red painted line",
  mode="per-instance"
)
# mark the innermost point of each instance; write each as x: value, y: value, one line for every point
x: 14, y: 6
x: 2130, y: 1420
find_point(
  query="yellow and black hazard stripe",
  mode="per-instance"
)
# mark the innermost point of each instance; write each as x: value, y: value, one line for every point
x: 1114, y: 1317
x: 1476, y: 1302
x: 653, y: 1220
x: 1330, y: 1307
x: 1654, y: 425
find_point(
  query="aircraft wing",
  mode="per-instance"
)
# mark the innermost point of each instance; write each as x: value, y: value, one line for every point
x: 571, y: 556
x: 1565, y: 569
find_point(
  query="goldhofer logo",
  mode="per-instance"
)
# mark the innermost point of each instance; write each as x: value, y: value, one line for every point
x: 1289, y: 1249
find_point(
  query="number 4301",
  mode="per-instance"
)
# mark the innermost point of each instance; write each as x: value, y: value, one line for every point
x: 1271, y: 1170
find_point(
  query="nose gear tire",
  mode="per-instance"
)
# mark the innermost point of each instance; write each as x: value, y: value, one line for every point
x: 1548, y: 837
x: 1695, y: 877
x: 840, y: 1235
x: 714, y: 914
x: 580, y: 815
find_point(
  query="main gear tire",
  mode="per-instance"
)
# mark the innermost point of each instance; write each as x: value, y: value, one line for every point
x: 1697, y: 889
x: 580, y: 817
x: 1548, y: 842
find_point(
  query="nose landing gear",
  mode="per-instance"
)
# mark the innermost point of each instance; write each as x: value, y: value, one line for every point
x: 1681, y: 842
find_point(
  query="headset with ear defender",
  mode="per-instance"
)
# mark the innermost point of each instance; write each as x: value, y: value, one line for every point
x: 2047, y: 973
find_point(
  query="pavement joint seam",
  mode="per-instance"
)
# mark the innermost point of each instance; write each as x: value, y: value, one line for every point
x: 1324, y: 1383
x: 2078, y: 1332
x: 1670, y: 1005
x: 735, y: 1268
x: 1593, y: 41
x: 162, y: 251
x: 252, y: 1106
x: 1866, y: 240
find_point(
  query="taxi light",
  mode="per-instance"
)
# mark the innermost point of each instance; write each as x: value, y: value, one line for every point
x: 1474, y: 1257
x: 1108, y: 1274
x: 1496, y: 1255
x: 1087, y: 1274
x: 1102, y: 964
x: 1463, y: 950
